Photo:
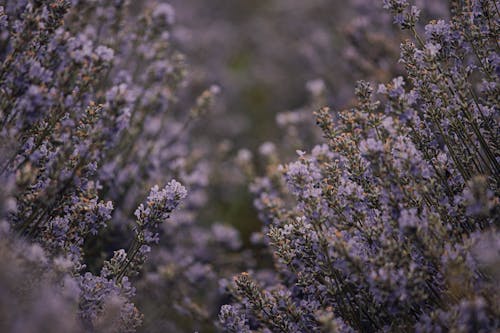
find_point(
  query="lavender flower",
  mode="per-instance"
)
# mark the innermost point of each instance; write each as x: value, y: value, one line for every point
x: 378, y: 226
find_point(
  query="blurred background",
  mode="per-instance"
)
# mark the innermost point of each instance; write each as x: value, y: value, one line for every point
x: 276, y: 61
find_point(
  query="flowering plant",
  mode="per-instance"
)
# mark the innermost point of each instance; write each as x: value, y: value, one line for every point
x: 383, y: 227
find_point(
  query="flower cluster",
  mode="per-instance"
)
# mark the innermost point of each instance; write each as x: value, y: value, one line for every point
x: 380, y: 228
x: 90, y: 120
x: 159, y: 205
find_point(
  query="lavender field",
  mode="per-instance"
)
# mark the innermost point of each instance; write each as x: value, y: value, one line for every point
x: 244, y: 166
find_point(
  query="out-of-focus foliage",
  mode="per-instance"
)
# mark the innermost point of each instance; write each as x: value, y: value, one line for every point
x: 276, y: 61
x: 90, y: 121
x: 263, y: 52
